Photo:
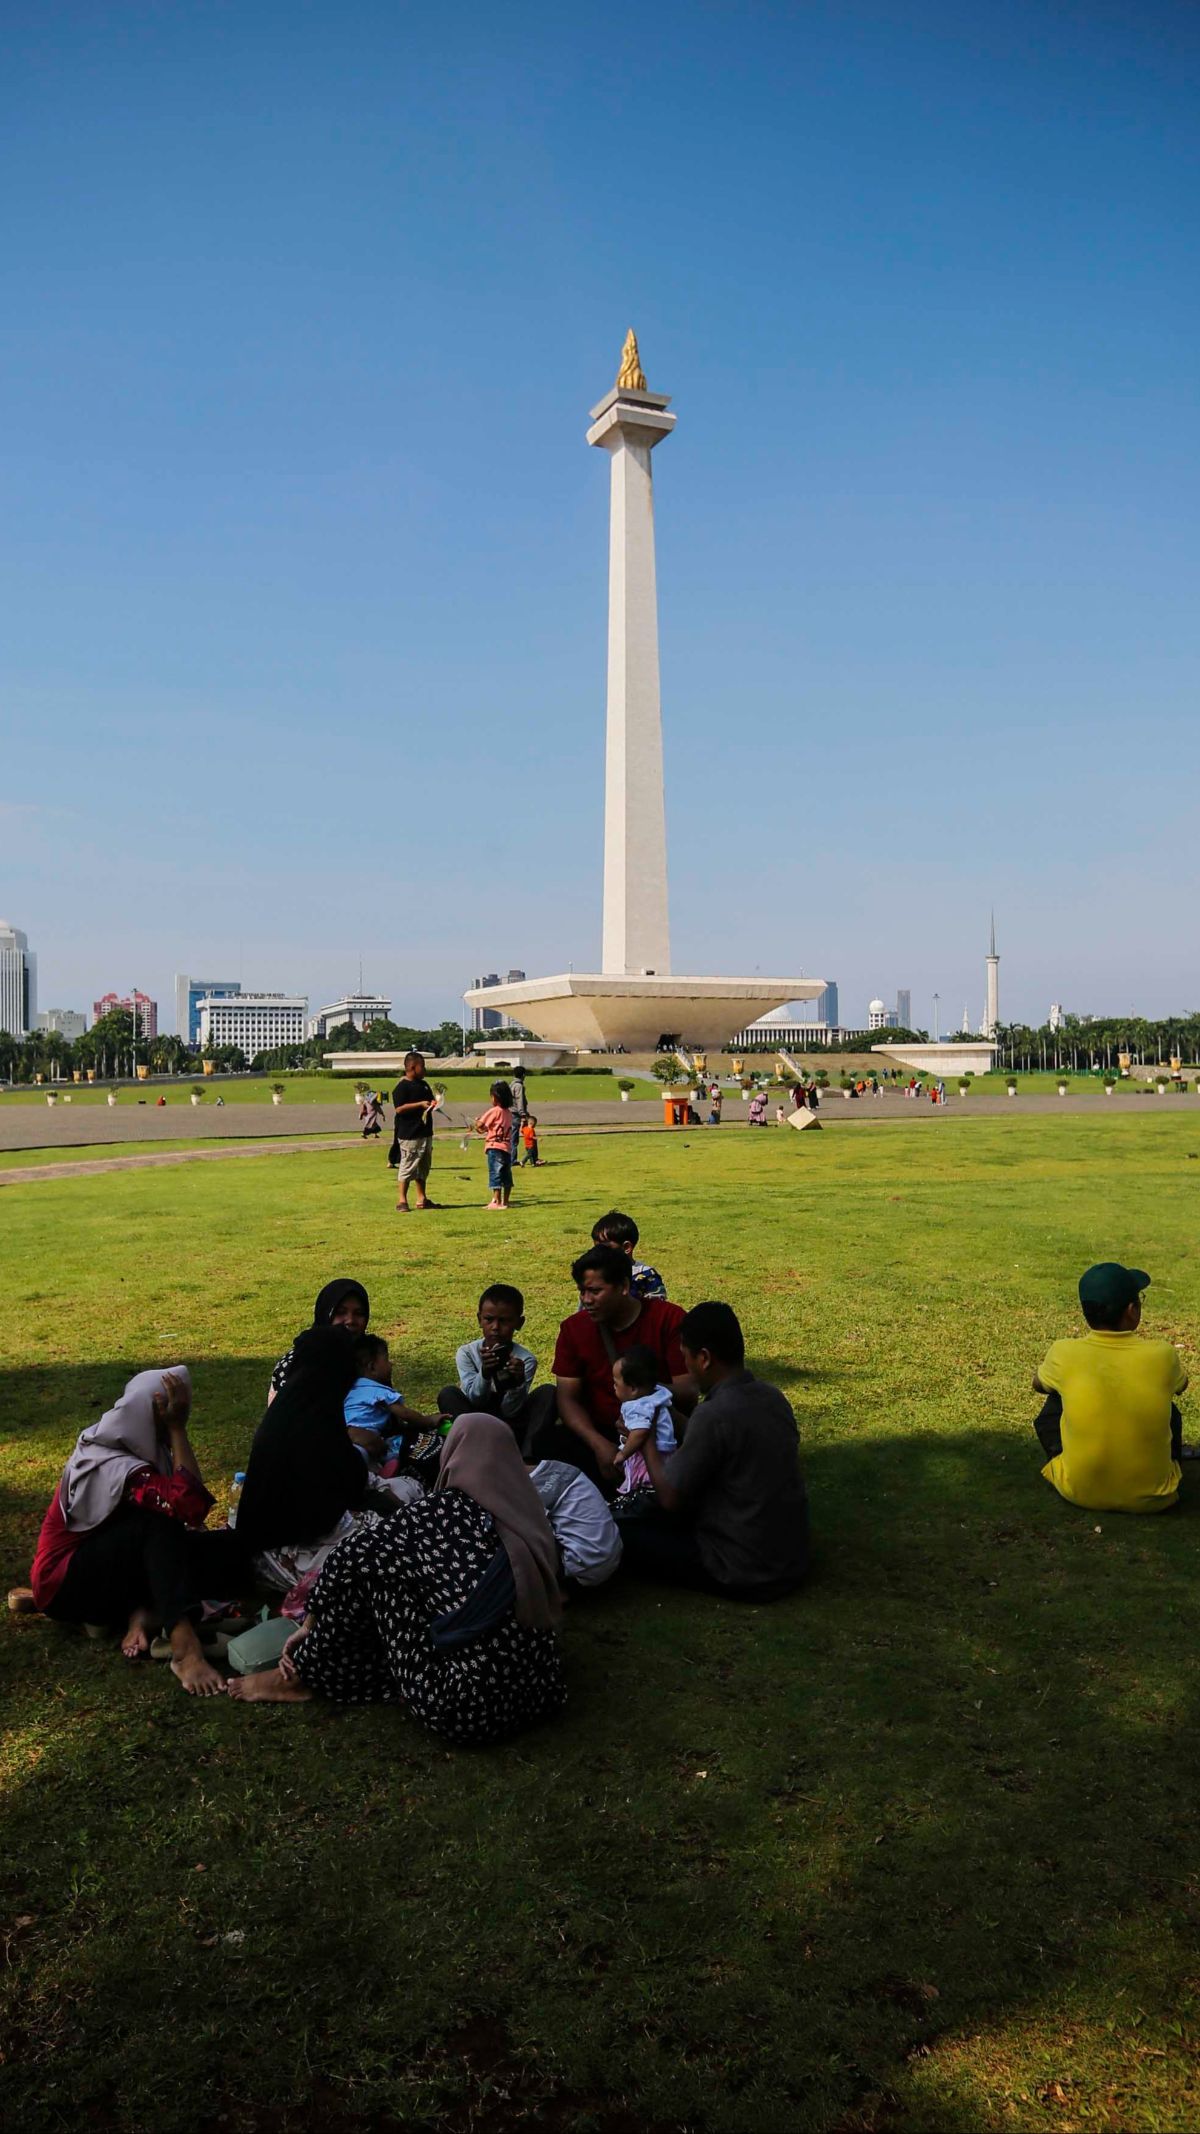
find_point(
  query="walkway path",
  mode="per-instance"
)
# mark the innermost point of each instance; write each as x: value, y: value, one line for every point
x: 597, y: 1118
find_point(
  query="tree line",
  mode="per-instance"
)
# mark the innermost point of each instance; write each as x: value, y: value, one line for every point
x: 112, y: 1050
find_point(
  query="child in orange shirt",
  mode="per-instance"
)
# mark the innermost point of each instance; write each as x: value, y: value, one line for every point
x: 529, y: 1141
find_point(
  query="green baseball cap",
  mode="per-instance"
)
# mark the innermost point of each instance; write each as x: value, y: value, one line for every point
x: 1111, y: 1285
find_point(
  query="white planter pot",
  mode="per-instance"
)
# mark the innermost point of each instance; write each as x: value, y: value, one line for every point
x: 193, y: 1100
x: 51, y: 1100
x: 1108, y: 1092
x: 275, y: 1099
x: 1062, y: 1089
x: 624, y: 1096
x: 111, y: 1098
x: 1012, y: 1092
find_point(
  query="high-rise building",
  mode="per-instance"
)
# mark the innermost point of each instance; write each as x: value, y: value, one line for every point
x: 189, y: 992
x: 904, y: 1009
x: 18, y: 982
x: 68, y: 1022
x: 1056, y: 1015
x: 488, y: 1018
x: 256, y: 1022
x: 359, y: 1009
x: 827, y: 1004
x: 141, y: 1010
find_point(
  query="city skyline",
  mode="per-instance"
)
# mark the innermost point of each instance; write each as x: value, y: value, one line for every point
x: 941, y: 580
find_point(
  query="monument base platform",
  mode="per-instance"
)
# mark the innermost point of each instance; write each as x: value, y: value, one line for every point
x: 600, y: 1010
x: 942, y: 1058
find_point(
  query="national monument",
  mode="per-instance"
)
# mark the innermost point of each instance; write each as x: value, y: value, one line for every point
x: 635, y: 1000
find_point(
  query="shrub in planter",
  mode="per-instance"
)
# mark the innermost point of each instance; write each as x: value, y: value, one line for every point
x: 1110, y: 1084
x: 964, y: 1089
x: 626, y: 1088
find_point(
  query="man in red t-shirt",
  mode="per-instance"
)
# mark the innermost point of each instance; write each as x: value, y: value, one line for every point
x: 580, y: 1414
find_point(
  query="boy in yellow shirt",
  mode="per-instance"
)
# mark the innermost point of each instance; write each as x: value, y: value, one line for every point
x: 1110, y: 1426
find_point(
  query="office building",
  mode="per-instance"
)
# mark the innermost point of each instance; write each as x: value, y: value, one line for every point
x: 825, y: 1007
x: 488, y: 1018
x: 255, y: 1022
x: 359, y: 1009
x: 189, y: 992
x: 67, y: 1022
x: 141, y: 1010
x: 18, y: 982
x: 904, y: 1009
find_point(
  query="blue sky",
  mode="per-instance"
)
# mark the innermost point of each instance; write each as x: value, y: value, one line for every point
x: 304, y: 556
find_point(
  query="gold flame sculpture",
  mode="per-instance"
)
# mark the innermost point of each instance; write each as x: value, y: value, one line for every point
x: 631, y: 378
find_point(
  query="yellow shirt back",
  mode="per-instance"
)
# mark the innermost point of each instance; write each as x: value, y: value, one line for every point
x: 1116, y: 1393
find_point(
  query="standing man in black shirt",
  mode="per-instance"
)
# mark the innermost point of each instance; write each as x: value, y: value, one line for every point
x: 412, y: 1140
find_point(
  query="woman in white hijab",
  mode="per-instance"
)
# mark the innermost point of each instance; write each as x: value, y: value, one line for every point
x: 120, y: 1540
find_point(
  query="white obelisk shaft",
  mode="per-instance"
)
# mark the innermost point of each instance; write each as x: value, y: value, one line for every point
x: 636, y: 926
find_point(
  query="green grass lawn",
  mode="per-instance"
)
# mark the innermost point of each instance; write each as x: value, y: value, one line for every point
x: 916, y: 1850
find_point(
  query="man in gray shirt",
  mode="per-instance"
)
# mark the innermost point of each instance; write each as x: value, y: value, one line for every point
x: 732, y: 1512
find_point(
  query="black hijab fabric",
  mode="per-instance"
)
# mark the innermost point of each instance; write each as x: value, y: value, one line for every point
x: 304, y: 1471
x: 335, y: 1293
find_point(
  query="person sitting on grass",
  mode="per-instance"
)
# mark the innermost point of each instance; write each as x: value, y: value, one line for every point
x: 732, y: 1513
x: 1109, y: 1427
x: 449, y: 1609
x: 304, y: 1472
x: 645, y: 1412
x: 378, y: 1418
x: 122, y: 1542
x: 496, y: 1126
x: 620, y: 1230
x: 577, y: 1419
x: 495, y: 1372
x: 341, y: 1303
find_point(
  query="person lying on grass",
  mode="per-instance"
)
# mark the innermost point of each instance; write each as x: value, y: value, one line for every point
x: 732, y: 1513
x: 122, y: 1544
x: 1109, y: 1427
x: 449, y: 1609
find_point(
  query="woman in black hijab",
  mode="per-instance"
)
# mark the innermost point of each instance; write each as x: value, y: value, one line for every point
x: 304, y: 1472
x: 340, y: 1303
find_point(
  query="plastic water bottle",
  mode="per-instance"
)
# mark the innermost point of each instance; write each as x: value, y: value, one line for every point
x: 235, y: 1495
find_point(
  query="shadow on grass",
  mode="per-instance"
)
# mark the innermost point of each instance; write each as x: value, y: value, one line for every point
x: 894, y: 1854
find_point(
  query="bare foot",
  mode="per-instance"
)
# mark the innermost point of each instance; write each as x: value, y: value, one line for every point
x: 136, y: 1642
x: 198, y: 1676
x: 270, y: 1686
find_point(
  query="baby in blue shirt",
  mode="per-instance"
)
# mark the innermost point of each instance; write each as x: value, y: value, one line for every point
x: 377, y: 1416
x: 645, y: 1410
